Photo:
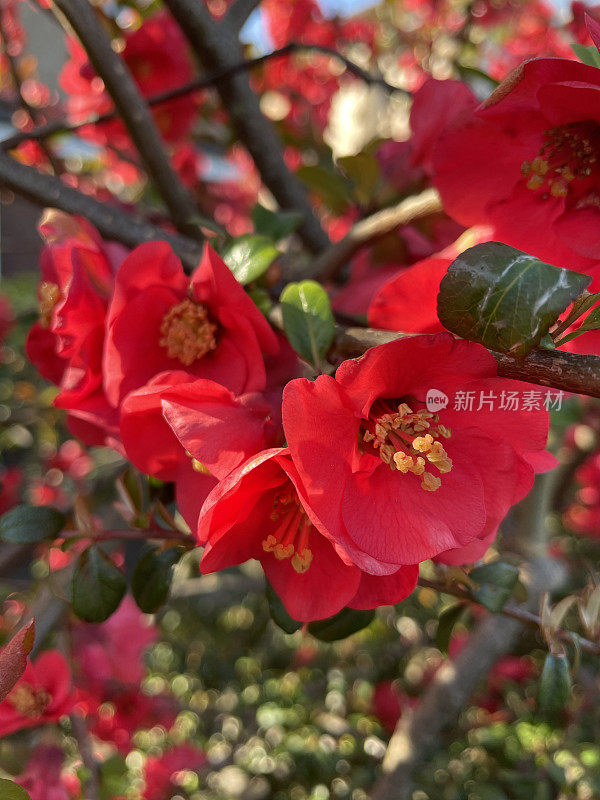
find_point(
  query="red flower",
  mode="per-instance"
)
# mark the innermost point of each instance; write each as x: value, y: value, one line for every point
x: 159, y: 320
x: 160, y: 774
x: 157, y: 55
x: 527, y: 161
x: 395, y: 484
x: 113, y: 651
x: 194, y: 431
x: 42, y: 778
x: 261, y: 511
x: 44, y: 694
x: 66, y: 344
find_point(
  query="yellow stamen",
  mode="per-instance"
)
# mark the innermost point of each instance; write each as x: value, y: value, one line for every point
x: 49, y: 295
x: 399, y: 439
x: 28, y: 700
x: 290, y: 540
x: 187, y: 332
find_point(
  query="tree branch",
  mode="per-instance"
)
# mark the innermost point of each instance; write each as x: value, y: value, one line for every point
x: 568, y: 372
x: 133, y: 111
x: 112, y: 222
x: 217, y: 48
x: 90, y: 762
x: 62, y: 126
x: 511, y: 610
x: 238, y: 13
x: 374, y: 227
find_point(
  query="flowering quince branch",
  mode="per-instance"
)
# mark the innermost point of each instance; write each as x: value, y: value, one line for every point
x: 112, y: 223
x: 570, y: 372
x: 86, y: 750
x: 374, y: 227
x: 134, y: 112
x: 216, y: 48
x: 511, y: 610
x: 237, y: 14
x: 62, y: 126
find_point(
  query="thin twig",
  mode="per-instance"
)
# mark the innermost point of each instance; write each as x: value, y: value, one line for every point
x: 61, y: 126
x: 374, y: 227
x: 134, y: 112
x: 216, y: 48
x: 90, y: 762
x: 511, y: 610
x: 112, y: 222
x: 32, y: 112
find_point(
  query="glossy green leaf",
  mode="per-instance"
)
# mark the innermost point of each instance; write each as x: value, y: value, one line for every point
x: 363, y: 169
x: 97, y: 586
x: 12, y: 791
x: 588, y: 54
x: 554, y: 689
x: 275, y: 224
x: 495, y: 584
x: 30, y: 524
x: 307, y: 319
x: 503, y: 298
x: 151, y: 579
x: 328, y: 185
x: 590, y: 323
x: 249, y: 256
x: 343, y: 624
x: 446, y: 623
x: 279, y: 613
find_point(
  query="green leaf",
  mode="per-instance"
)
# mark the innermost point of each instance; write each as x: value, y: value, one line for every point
x: 307, y: 319
x: 590, y: 323
x: 504, y: 298
x: 12, y: 791
x: 30, y: 524
x: 328, y: 185
x: 554, y: 688
x: 363, y: 169
x: 261, y: 299
x: 446, y: 622
x: 249, y: 256
x: 98, y: 585
x: 279, y: 613
x: 114, y: 778
x: 275, y: 224
x: 496, y: 583
x: 588, y: 54
x: 151, y: 579
x: 343, y: 624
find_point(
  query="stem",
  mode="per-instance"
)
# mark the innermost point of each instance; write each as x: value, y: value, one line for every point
x: 133, y: 111
x: 143, y: 535
x: 86, y: 750
x: 217, y: 48
x: 568, y: 372
x: 368, y: 230
x: 510, y: 610
x: 238, y: 13
x: 61, y: 126
x: 112, y: 222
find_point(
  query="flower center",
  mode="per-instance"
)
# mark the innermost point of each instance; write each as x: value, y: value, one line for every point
x: 408, y: 441
x: 187, y: 332
x: 290, y: 540
x: 29, y: 701
x: 569, y: 154
x: 49, y: 295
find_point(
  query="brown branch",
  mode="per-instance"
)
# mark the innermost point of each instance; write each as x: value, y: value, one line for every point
x: 374, y: 227
x: 133, y: 111
x: 418, y: 732
x: 238, y: 13
x: 92, y: 783
x: 568, y: 372
x: 140, y: 535
x: 521, y: 614
x: 112, y: 222
x: 217, y: 48
x: 61, y: 126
